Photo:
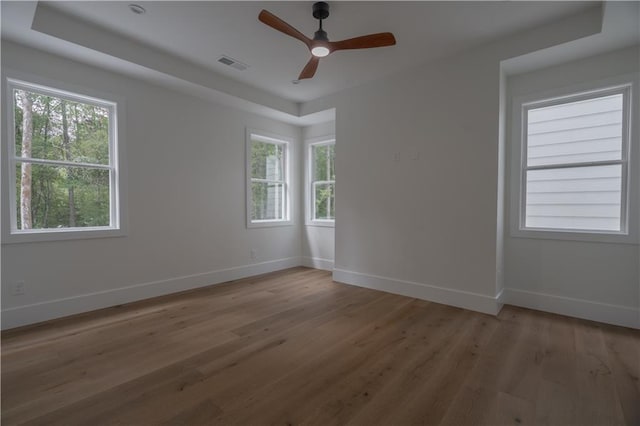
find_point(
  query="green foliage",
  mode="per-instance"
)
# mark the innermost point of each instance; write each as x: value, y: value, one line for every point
x: 325, y: 201
x: 324, y: 174
x: 324, y: 159
x: 61, y: 195
x: 267, y: 165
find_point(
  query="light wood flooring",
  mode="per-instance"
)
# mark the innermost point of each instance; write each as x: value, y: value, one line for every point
x: 293, y: 347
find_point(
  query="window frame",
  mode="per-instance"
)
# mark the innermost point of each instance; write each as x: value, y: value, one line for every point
x: 117, y: 219
x: 625, y: 85
x: 267, y: 137
x: 310, y: 182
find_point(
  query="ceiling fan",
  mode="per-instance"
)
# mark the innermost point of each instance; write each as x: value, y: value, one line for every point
x: 320, y: 46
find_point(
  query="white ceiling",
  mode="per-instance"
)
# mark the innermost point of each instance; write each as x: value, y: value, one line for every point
x: 199, y: 32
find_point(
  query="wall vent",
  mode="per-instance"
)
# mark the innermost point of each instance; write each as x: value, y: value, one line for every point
x: 232, y: 63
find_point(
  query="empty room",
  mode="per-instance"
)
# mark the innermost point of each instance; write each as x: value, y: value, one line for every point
x: 320, y: 213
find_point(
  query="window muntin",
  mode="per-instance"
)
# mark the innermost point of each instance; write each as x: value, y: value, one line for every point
x: 269, y: 186
x: 65, y: 177
x: 322, y: 181
x: 575, y: 163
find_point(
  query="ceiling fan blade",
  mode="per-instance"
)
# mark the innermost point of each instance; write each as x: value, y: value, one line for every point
x: 309, y: 70
x: 276, y: 23
x: 364, y: 42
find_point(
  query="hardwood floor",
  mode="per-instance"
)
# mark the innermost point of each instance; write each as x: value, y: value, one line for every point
x: 293, y: 347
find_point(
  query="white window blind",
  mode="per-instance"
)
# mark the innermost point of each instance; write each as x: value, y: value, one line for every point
x: 575, y: 164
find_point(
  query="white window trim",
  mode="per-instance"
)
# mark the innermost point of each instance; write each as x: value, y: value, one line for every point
x: 288, y: 202
x: 630, y: 160
x: 308, y: 184
x: 118, y: 219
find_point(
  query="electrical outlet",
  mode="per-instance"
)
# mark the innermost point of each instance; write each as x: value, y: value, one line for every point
x: 396, y: 156
x: 17, y: 289
x: 253, y: 254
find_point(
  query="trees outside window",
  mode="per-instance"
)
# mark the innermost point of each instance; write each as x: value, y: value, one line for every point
x: 323, y: 181
x: 268, y: 180
x: 63, y: 159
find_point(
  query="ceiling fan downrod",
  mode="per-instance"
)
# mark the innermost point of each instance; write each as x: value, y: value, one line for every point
x: 320, y: 12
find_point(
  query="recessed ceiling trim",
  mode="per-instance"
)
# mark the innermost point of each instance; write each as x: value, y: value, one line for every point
x: 57, y: 24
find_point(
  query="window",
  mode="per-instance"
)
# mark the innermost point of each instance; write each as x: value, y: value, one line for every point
x: 574, y: 163
x: 62, y: 160
x: 322, y: 182
x: 268, y: 181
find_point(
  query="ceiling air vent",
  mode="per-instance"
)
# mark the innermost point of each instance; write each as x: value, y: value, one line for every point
x: 232, y: 63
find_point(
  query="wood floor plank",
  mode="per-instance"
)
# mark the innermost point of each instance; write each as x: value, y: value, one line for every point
x: 497, y: 365
x: 474, y: 405
x: 287, y: 399
x: 623, y: 349
x: 557, y: 404
x: 362, y: 386
x: 293, y: 347
x: 290, y: 382
x: 200, y: 413
x: 523, y: 370
x: 558, y: 363
x: 227, y: 360
x: 511, y: 410
x: 429, y: 402
x: 597, y: 395
x: 231, y: 380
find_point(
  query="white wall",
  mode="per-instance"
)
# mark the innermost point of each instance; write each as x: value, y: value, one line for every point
x: 318, y: 242
x: 186, y: 185
x: 594, y: 280
x: 500, y: 208
x: 420, y: 169
x: 417, y: 164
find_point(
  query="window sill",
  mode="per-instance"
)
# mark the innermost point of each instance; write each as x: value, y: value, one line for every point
x: 269, y: 224
x: 592, y: 237
x: 37, y: 236
x: 322, y: 223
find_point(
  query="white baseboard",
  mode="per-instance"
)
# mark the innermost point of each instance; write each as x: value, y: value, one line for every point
x: 579, y: 308
x: 500, y: 301
x: 602, y: 312
x: 37, y: 312
x: 317, y: 263
x: 462, y: 299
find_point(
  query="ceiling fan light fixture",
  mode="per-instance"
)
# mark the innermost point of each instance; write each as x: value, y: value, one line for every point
x: 320, y: 51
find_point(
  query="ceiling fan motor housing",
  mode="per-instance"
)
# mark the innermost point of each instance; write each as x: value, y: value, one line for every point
x: 320, y: 35
x: 321, y: 10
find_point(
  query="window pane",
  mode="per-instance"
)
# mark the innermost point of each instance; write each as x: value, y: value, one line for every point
x: 581, y: 131
x: 324, y: 162
x: 61, y: 197
x: 268, y: 201
x: 61, y: 130
x: 324, y: 198
x: 267, y: 161
x: 587, y: 198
